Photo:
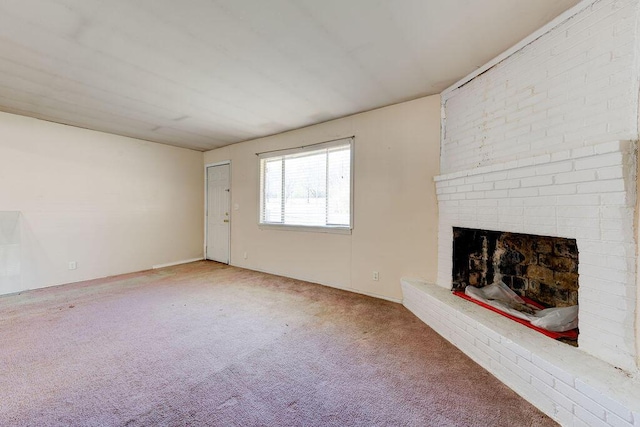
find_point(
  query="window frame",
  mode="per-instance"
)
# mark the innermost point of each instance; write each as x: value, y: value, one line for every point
x: 337, y: 229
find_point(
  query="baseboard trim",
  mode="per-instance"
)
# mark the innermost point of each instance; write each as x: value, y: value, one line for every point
x: 171, y: 264
x: 369, y: 294
x: 330, y: 285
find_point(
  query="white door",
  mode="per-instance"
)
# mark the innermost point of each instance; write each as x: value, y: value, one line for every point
x: 218, y: 218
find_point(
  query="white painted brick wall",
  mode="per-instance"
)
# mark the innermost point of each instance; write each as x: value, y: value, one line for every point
x: 533, y: 145
x: 567, y: 198
x: 570, y: 386
x: 573, y: 87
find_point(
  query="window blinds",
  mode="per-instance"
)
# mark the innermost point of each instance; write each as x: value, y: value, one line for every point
x: 308, y: 186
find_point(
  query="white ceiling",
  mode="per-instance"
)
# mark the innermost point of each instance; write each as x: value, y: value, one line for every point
x: 206, y: 73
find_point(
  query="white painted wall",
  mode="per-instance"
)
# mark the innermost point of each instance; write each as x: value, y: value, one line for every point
x: 395, y: 212
x: 575, y: 86
x: 110, y: 203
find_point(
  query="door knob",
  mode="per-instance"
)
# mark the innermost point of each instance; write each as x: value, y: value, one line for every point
x: 226, y: 220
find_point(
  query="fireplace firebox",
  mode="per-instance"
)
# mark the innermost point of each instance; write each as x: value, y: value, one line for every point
x: 541, y: 268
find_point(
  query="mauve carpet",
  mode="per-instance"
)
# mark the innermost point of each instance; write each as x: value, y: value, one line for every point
x: 213, y: 345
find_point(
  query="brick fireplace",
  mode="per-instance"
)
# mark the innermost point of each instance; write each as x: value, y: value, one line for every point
x: 585, y: 194
x: 583, y: 197
x: 543, y: 141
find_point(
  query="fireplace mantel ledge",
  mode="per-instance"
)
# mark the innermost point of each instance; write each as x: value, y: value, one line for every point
x: 576, y: 153
x: 558, y: 375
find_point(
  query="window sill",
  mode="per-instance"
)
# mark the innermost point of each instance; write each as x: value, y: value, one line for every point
x: 310, y: 229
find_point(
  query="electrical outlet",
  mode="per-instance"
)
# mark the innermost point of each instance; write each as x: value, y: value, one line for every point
x: 246, y: 256
x: 376, y: 276
x: 73, y: 265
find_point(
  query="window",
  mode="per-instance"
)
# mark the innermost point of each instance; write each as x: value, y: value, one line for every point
x: 308, y: 187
